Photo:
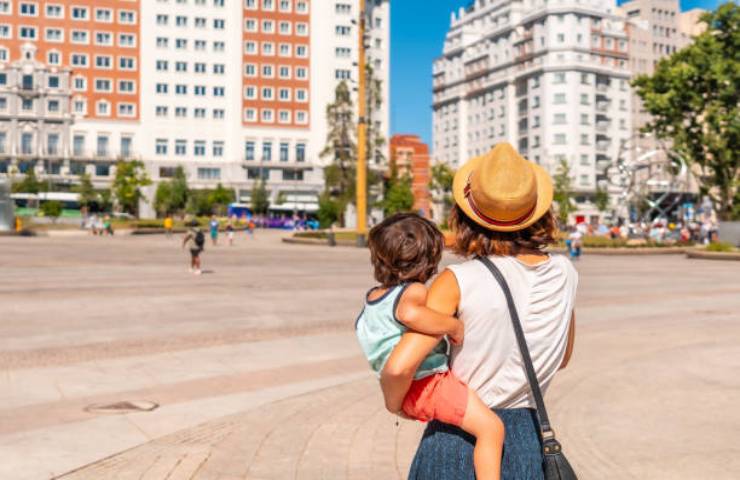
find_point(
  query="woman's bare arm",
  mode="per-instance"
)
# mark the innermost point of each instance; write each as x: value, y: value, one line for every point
x: 571, y: 341
x: 399, y: 370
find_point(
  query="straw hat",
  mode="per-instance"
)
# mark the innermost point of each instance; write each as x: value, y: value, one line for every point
x: 502, y: 191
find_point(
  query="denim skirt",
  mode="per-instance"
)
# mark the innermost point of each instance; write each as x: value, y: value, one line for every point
x: 446, y: 452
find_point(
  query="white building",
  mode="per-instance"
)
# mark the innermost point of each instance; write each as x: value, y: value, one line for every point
x: 549, y: 77
x: 230, y: 89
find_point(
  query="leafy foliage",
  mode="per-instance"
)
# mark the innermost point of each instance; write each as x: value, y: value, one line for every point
x: 87, y: 192
x: 694, y: 101
x: 29, y: 184
x: 398, y: 195
x: 329, y: 210
x: 601, y: 199
x: 442, y: 177
x: 260, y: 197
x: 563, y: 194
x: 220, y: 198
x: 51, y: 209
x: 130, y: 177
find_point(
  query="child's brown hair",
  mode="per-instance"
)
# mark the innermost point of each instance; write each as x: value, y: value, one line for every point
x: 405, y: 247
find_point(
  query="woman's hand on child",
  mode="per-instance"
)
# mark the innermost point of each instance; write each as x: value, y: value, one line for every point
x: 457, y: 336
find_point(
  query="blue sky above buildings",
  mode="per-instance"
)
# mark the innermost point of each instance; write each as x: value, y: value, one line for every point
x: 418, y: 28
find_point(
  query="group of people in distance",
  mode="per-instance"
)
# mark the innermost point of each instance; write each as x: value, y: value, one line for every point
x: 195, y: 239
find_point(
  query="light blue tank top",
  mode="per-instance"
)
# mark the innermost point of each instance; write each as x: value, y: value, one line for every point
x: 378, y: 331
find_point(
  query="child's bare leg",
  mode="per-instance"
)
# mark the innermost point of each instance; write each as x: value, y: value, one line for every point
x: 488, y: 431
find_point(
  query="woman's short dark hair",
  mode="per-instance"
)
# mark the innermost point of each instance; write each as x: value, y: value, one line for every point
x: 472, y: 239
x: 405, y: 248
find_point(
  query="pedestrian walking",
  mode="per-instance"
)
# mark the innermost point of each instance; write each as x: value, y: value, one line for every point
x: 230, y: 233
x: 576, y: 242
x: 195, y: 242
x: 214, y: 229
x: 250, y: 228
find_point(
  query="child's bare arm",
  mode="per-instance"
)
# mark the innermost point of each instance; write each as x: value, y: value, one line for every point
x: 413, y: 312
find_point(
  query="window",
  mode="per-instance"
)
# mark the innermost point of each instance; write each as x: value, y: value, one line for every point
x: 5, y: 31
x: 181, y: 43
x: 126, y: 144
x: 249, y: 151
x: 181, y: 147
x: 199, y: 112
x: 126, y: 40
x: 285, y: 50
x: 181, y: 112
x: 250, y: 92
x: 181, y: 89
x: 343, y: 31
x: 284, y: 151
x: 162, y: 19
x: 266, y: 151
x: 5, y: 7
x: 560, y: 119
x: 52, y: 106
x: 103, y: 61
x: 268, y: 26
x: 181, y: 21
x: 342, y: 52
x: 200, y: 90
x: 284, y: 28
x: 267, y: 93
x: 301, y: 94
x: 102, y: 146
x: 250, y: 70
x: 126, y: 16
x: 181, y: 66
x: 559, y: 98
x: 161, y: 88
x: 102, y: 108
x: 301, y: 73
x: 80, y: 13
x: 163, y: 42
x: 199, y: 148
x: 103, y: 85
x: 584, y: 160
x: 219, y: 68
x: 199, y: 67
x: 341, y: 74
x: 584, y: 139
x: 219, y: 91
x: 284, y: 5
x: 200, y: 45
x: 26, y: 143
x: 343, y: 8
x: 250, y: 114
x: 103, y: 38
x: 559, y: 77
x: 103, y: 15
x: 209, y: 173
x: 126, y: 110
x: 250, y: 25
x: 28, y: 9
x: 219, y: 23
x: 268, y: 48
x: 284, y: 71
x: 161, y: 146
x: 560, y: 139
x: 301, y: 29
x: 161, y: 111
x: 78, y: 145
x: 126, y: 86
x: 584, y: 99
x: 52, y: 81
x: 301, y: 117
x: 80, y: 106
x: 80, y: 36
x: 301, y: 51
x: 267, y: 71
x: 300, y: 152
x: 28, y: 33
x: 200, y: 22
x: 250, y: 4
x: 290, y: 174
x: 126, y: 63
x: 218, y: 149
x: 584, y: 119
x: 54, y: 35
x: 54, y: 58
x: 250, y: 48
x: 301, y: 7
x: 219, y: 46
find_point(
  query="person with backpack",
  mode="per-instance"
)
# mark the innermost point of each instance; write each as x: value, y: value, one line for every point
x: 195, y: 241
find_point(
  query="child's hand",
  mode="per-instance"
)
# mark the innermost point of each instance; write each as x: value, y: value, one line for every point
x: 458, y: 335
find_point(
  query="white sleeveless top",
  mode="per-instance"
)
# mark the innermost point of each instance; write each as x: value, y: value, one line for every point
x: 489, y: 360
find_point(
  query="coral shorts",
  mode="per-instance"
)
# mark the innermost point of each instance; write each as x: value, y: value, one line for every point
x: 441, y: 396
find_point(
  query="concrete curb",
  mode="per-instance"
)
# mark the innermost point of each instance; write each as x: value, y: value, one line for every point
x: 628, y: 251
x: 726, y: 256
x: 317, y: 241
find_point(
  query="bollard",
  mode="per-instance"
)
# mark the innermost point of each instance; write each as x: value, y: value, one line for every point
x: 332, y: 239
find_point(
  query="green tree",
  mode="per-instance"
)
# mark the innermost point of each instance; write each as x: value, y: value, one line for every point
x: 398, y: 195
x: 130, y: 177
x: 693, y: 98
x: 260, y: 198
x: 220, y: 198
x: 29, y: 184
x: 601, y: 199
x: 198, y: 203
x: 106, y: 200
x: 87, y: 192
x: 172, y: 196
x: 442, y: 177
x: 51, y: 209
x: 341, y: 148
x: 329, y: 210
x: 563, y: 194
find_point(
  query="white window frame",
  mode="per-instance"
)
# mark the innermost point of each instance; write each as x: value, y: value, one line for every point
x: 123, y: 104
x: 97, y: 108
x: 57, y: 5
x: 95, y: 86
x: 101, y: 9
x: 77, y: 42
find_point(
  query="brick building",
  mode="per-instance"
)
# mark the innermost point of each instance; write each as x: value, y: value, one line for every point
x: 411, y: 157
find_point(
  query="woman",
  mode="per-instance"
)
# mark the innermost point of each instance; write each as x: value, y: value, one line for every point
x: 502, y: 210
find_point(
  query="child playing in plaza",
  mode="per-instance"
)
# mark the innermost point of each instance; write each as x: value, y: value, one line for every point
x: 405, y: 250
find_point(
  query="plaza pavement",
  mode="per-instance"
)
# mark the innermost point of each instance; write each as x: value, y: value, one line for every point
x: 257, y: 374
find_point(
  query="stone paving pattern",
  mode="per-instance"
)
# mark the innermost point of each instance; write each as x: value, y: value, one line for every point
x: 258, y: 376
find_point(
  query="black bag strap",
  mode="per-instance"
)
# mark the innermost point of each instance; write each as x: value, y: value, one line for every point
x: 534, y: 384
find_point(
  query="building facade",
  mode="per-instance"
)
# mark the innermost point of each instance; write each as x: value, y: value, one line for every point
x: 232, y: 90
x: 410, y: 156
x: 551, y: 78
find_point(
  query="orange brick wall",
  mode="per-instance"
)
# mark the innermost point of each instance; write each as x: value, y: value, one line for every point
x: 411, y: 156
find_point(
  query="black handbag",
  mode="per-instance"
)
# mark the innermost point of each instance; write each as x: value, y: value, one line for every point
x: 554, y: 464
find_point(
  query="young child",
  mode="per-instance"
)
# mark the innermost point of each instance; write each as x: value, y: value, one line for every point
x: 405, y: 250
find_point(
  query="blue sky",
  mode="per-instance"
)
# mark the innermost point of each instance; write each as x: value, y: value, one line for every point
x: 418, y: 29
